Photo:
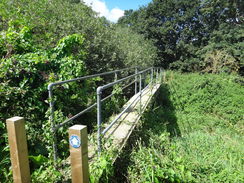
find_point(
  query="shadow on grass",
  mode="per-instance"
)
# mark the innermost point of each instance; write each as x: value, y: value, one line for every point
x: 159, y: 117
x: 167, y: 112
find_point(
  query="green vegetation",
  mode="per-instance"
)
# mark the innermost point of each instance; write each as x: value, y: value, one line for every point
x: 43, y: 41
x: 196, y: 35
x: 194, y: 132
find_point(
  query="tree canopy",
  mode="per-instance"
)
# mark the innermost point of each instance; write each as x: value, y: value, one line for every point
x: 192, y: 35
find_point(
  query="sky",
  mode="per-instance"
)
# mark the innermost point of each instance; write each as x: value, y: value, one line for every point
x: 114, y: 9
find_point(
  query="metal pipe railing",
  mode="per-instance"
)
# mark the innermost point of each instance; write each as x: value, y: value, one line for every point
x: 136, y: 76
x: 136, y: 71
x: 99, y: 108
x: 123, y: 111
x: 51, y: 103
x: 88, y: 108
x: 140, y: 87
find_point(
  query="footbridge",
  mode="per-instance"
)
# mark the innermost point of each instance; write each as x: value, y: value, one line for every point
x: 119, y: 127
x: 111, y: 134
x: 135, y: 87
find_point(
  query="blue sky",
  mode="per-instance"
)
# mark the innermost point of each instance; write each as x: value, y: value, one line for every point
x: 114, y: 9
x: 126, y: 4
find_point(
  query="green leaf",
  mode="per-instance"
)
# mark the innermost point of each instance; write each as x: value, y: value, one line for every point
x: 38, y: 160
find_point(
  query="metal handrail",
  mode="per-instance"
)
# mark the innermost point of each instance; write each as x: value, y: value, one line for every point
x: 100, y: 88
x: 55, y: 127
x: 99, y: 103
x: 88, y: 108
x: 124, y: 110
x: 51, y: 102
x: 50, y: 86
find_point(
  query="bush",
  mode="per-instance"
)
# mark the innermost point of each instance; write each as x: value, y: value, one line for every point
x: 24, y: 78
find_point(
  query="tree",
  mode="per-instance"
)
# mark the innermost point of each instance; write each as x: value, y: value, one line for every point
x: 181, y: 29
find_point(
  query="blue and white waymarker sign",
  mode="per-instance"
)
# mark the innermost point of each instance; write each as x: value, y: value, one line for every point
x: 74, y: 141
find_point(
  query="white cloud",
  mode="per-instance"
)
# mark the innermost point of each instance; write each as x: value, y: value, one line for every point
x: 100, y: 7
x: 115, y: 14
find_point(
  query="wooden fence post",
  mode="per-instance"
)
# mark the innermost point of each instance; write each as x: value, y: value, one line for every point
x: 18, y: 149
x: 78, y: 141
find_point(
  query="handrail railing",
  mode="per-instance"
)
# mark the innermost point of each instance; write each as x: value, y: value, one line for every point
x: 100, y: 89
x: 51, y: 85
x: 55, y: 126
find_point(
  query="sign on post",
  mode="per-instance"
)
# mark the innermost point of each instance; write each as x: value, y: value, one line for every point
x: 78, y: 142
x: 18, y: 149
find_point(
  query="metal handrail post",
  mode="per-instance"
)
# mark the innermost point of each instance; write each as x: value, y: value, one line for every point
x: 140, y: 88
x: 51, y: 104
x: 144, y: 79
x: 156, y: 77
x: 99, y: 119
x: 115, y: 76
x: 136, y: 71
x: 153, y: 74
x: 157, y: 74
x: 159, y: 71
x: 161, y: 75
x: 151, y: 80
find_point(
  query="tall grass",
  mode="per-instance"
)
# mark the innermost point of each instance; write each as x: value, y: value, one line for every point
x: 194, y: 133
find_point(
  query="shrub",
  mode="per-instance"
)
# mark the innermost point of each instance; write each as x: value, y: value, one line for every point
x: 24, y: 78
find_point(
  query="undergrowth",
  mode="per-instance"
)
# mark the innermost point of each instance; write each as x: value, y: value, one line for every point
x: 193, y: 133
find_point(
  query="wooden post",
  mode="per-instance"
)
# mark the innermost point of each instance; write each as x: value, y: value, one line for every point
x: 18, y: 149
x: 79, y: 153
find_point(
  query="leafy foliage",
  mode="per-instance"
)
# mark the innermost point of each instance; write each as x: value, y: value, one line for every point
x: 52, y: 20
x: 186, y: 32
x: 24, y: 78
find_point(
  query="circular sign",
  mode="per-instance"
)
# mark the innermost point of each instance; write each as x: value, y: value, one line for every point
x: 74, y: 141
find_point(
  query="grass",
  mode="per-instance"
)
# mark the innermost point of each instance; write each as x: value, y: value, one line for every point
x: 194, y: 132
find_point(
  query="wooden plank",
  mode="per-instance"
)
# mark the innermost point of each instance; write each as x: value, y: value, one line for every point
x: 79, y: 154
x: 18, y: 149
